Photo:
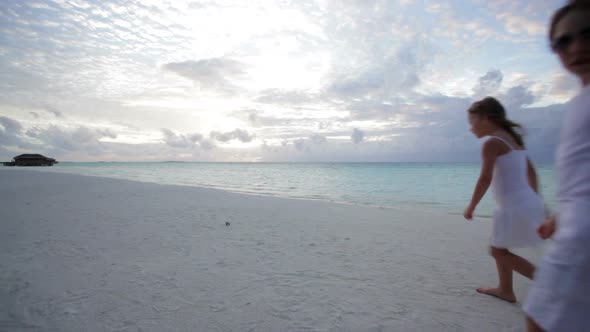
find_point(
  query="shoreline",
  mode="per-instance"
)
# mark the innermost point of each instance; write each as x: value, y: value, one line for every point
x: 409, y: 206
x: 90, y: 253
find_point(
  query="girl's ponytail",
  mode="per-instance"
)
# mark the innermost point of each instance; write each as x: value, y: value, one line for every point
x: 513, y: 129
x: 493, y: 110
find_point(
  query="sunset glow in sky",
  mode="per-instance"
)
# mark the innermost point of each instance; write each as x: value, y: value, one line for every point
x: 306, y: 80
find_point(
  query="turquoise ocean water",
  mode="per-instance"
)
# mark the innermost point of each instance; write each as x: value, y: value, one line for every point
x: 443, y: 187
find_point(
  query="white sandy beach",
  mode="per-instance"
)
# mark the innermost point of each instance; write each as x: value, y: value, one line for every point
x: 96, y: 254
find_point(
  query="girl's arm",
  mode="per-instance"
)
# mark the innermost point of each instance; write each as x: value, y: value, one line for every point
x: 490, y: 151
x: 532, y: 174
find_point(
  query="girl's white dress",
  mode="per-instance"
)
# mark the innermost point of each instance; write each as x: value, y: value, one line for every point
x: 519, y: 210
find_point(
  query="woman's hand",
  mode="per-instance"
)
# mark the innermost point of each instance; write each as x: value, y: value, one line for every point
x: 547, y: 228
x: 468, y: 213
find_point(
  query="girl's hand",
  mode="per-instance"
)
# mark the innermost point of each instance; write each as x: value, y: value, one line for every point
x: 468, y: 213
x: 547, y: 228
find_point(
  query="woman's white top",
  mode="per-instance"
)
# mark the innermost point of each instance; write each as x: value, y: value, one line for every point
x: 573, y: 169
x: 559, y: 299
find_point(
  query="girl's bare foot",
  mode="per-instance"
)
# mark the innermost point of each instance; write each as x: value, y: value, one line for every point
x: 497, y: 292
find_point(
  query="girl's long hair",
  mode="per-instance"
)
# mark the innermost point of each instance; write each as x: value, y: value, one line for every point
x: 491, y: 108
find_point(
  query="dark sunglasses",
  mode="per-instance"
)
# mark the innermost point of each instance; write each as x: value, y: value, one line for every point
x: 564, y: 41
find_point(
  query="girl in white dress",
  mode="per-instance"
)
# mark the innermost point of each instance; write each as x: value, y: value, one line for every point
x: 559, y: 299
x: 519, y: 209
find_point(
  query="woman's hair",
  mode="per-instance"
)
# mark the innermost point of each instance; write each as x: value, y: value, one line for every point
x: 571, y: 6
x: 491, y: 108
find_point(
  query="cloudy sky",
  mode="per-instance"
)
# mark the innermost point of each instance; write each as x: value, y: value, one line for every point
x: 282, y: 80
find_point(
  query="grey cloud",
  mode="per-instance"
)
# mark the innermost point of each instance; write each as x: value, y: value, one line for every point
x: 177, y: 143
x: 541, y: 126
x: 299, y: 144
x: 196, y: 138
x: 11, y: 134
x: 408, y: 59
x: 264, y: 115
x: 181, y: 141
x: 83, y: 135
x: 258, y: 120
x: 488, y: 83
x: 442, y: 133
x: 419, y: 109
x: 107, y: 133
x: 56, y: 141
x: 239, y: 134
x: 243, y: 135
x: 54, y: 111
x: 215, y: 73
x: 444, y: 103
x: 198, y: 5
x: 10, y: 126
x: 357, y: 136
x: 79, y: 139
x: 318, y: 139
x: 362, y: 84
x: 435, y: 128
x: 254, y: 119
x: 207, y: 145
x: 517, y: 97
x: 514, y: 98
x: 86, y: 135
x: 372, y: 109
x: 444, y: 109
x: 286, y: 97
x: 395, y: 74
x: 189, y: 141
